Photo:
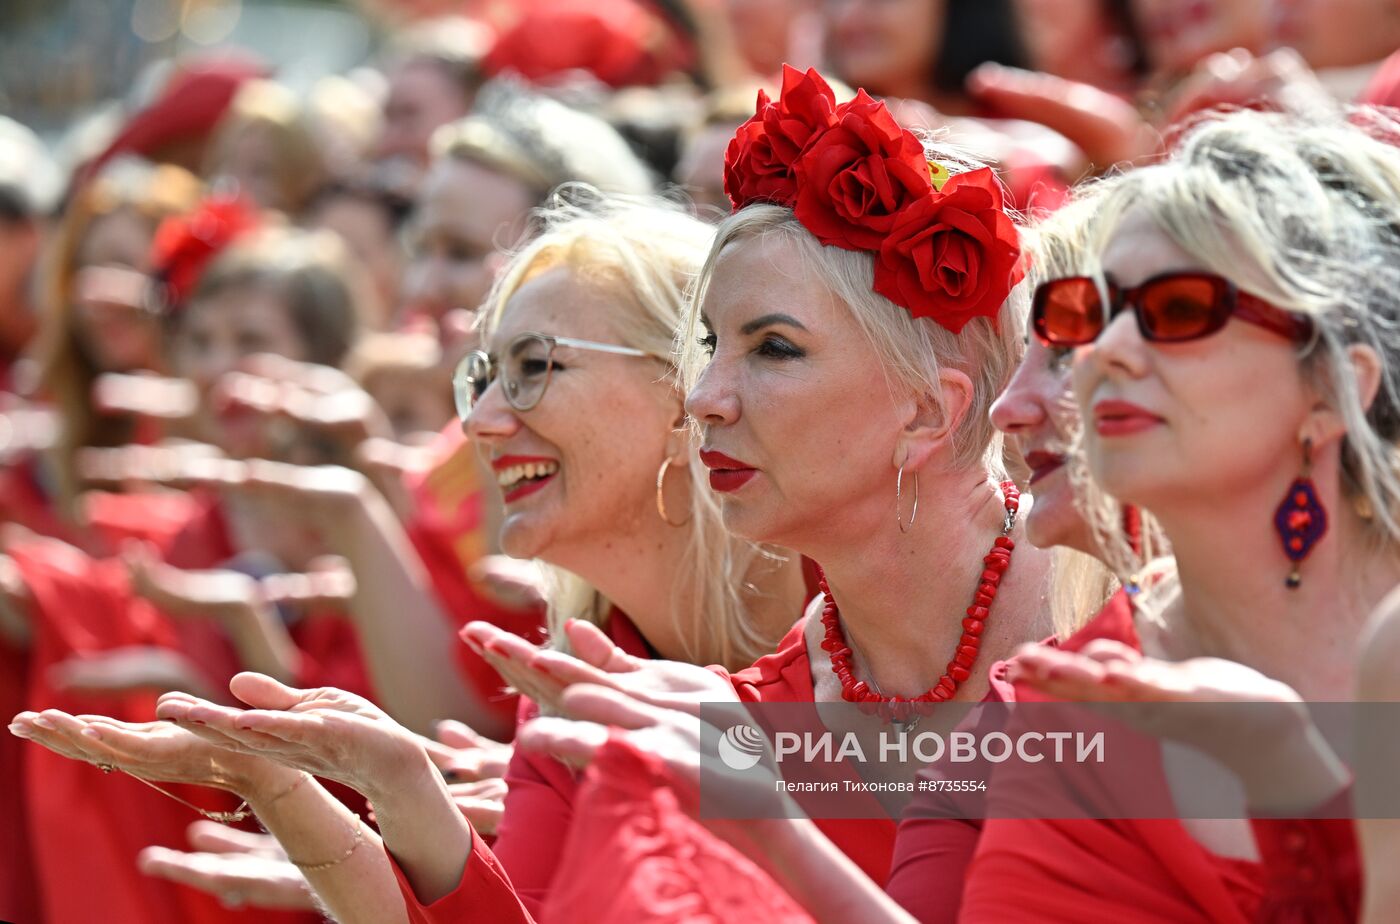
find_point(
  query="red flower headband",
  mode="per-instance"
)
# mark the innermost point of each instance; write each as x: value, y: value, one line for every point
x: 185, y: 244
x: 944, y: 246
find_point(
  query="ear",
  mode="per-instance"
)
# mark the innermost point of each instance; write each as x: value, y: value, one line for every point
x: 1324, y: 423
x: 929, y: 431
x: 681, y: 439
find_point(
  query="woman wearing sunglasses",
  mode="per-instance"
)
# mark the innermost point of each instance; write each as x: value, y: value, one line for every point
x: 1236, y: 370
x: 1254, y: 213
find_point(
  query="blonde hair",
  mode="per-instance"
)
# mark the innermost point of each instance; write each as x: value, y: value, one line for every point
x: 267, y: 106
x: 649, y: 252
x: 1302, y: 210
x: 913, y: 350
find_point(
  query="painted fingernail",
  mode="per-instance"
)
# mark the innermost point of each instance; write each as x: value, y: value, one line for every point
x: 43, y: 723
x: 18, y: 730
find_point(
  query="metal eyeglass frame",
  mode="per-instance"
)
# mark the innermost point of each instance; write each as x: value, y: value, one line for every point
x: 479, y: 366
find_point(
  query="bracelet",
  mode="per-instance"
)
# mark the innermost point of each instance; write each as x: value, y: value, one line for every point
x: 316, y: 867
x: 302, y: 777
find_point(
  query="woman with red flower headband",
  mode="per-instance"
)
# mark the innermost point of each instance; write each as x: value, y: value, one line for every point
x: 852, y: 310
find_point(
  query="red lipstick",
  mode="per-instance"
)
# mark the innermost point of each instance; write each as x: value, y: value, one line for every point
x: 726, y: 473
x: 1042, y: 463
x: 1122, y: 418
x: 527, y: 486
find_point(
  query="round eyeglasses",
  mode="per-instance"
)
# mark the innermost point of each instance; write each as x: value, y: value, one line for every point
x: 524, y: 367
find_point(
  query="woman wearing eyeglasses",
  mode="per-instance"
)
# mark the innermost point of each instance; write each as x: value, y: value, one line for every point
x: 575, y: 405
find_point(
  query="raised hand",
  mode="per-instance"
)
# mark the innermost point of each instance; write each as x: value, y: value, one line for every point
x: 462, y: 753
x: 317, y: 397
x: 509, y: 581
x: 240, y: 868
x: 128, y: 669
x: 543, y: 674
x: 1106, y: 128
x: 1275, y: 731
x: 326, y: 732
x: 156, y: 751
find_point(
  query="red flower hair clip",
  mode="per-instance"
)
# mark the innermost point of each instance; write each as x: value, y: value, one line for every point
x: 944, y: 246
x: 185, y: 244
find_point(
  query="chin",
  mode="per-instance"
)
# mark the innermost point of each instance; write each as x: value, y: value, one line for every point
x: 522, y: 539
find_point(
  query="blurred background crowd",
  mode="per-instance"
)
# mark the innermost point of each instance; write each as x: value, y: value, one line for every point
x: 242, y: 246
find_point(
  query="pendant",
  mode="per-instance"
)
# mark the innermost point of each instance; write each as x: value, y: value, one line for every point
x: 905, y: 726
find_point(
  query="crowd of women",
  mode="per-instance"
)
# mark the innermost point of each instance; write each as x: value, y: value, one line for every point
x: 1001, y: 353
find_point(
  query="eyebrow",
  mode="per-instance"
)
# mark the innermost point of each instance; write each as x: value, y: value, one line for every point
x: 768, y: 320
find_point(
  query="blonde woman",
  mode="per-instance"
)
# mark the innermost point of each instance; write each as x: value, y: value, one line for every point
x: 1262, y: 251
x: 583, y: 433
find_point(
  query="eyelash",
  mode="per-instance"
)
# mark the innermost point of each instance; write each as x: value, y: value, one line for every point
x: 778, y: 348
x: 771, y: 347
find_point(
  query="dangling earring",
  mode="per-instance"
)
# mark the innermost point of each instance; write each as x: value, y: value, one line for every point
x: 661, y: 494
x: 1301, y: 519
x: 899, y: 500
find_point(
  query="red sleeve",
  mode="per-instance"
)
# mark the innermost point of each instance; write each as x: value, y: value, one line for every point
x: 633, y: 854
x: 539, y: 812
x: 484, y: 894
x: 931, y: 857
x: 1312, y: 867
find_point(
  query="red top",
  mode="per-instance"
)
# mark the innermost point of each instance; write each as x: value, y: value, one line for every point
x: 542, y: 794
x: 530, y: 838
x: 1152, y: 870
x: 634, y: 854
x: 785, y: 676
x: 932, y: 847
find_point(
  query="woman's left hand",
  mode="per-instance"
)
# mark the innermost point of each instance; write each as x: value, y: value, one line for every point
x: 1275, y: 730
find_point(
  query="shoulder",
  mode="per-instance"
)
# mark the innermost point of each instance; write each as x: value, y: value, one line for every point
x: 781, y: 676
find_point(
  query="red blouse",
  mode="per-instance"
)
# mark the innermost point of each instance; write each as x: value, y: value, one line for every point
x: 1152, y: 870
x: 542, y: 795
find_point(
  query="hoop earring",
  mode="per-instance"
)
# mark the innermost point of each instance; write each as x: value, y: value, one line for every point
x: 661, y: 494
x: 1300, y: 519
x: 899, y: 500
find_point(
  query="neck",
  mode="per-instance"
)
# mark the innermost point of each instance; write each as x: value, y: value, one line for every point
x: 1234, y: 603
x: 646, y: 571
x: 903, y: 596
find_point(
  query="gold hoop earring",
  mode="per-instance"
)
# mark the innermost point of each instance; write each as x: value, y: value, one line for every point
x: 899, y: 500
x: 661, y: 494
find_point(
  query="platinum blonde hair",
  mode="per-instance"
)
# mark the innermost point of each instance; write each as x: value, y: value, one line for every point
x: 912, y: 350
x: 648, y: 252
x: 1302, y: 210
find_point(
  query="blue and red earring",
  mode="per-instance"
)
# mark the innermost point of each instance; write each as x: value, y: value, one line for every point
x: 1300, y: 520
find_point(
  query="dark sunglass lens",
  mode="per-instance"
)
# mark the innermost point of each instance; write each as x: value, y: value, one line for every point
x: 1068, y: 312
x: 1183, y: 308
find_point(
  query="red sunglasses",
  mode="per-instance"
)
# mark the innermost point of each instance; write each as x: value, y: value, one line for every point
x: 1171, y: 308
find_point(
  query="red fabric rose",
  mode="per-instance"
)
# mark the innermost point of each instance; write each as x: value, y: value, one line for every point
x: 758, y: 162
x: 857, y: 178
x: 185, y: 244
x: 953, y: 255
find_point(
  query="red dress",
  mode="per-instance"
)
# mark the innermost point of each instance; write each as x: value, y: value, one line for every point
x: 1152, y: 870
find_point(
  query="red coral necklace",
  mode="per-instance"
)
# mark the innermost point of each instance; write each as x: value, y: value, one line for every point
x: 898, y: 708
